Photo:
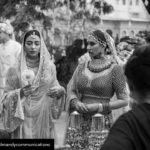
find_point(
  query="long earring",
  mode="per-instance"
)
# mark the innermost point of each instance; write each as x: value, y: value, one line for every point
x: 107, y: 51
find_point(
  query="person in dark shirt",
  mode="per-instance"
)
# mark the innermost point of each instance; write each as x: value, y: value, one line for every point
x: 132, y: 130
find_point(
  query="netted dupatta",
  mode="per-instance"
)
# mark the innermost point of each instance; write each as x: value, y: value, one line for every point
x: 39, y: 108
x: 115, y: 58
x: 112, y: 49
x: 72, y: 90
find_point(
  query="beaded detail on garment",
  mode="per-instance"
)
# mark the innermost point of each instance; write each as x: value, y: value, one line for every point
x: 102, y: 64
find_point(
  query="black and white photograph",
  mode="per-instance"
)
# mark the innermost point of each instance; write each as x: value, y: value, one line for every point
x: 75, y: 74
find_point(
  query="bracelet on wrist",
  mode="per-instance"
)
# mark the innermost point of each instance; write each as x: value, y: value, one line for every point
x: 106, y: 108
x: 100, y: 108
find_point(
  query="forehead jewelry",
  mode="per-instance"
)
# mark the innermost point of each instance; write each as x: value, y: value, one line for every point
x: 33, y: 35
x: 98, y: 40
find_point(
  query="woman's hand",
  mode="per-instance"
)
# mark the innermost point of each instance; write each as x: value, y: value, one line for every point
x: 26, y: 91
x: 56, y: 91
x: 81, y: 107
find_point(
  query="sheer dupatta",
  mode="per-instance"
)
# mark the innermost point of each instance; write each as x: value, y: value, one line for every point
x: 33, y: 114
x: 115, y: 58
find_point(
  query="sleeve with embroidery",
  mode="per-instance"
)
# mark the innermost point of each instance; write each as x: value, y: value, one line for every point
x: 119, y: 82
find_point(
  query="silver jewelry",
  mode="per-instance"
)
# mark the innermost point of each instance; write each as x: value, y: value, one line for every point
x: 101, y: 66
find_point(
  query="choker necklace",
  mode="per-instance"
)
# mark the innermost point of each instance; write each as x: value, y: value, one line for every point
x: 101, y: 65
x: 32, y: 63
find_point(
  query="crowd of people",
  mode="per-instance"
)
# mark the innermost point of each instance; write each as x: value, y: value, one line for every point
x: 100, y: 91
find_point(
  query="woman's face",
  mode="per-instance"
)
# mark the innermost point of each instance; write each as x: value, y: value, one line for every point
x: 33, y: 45
x: 94, y: 48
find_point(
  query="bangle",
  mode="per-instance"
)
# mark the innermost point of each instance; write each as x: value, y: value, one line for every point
x: 106, y: 108
x: 100, y: 108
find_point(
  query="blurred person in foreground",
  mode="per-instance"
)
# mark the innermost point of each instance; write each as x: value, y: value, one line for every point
x: 32, y: 88
x: 93, y: 84
x: 147, y: 39
x: 9, y: 51
x: 131, y: 130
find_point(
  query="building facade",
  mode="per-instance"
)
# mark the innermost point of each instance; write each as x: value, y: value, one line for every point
x: 128, y: 18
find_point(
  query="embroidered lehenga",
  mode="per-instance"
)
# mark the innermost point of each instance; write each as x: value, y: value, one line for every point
x: 30, y: 117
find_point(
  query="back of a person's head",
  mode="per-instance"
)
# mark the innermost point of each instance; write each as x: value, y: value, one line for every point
x: 148, y: 38
x: 110, y: 32
x: 137, y: 69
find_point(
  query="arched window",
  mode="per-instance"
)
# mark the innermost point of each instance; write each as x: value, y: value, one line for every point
x: 124, y: 33
x: 117, y: 2
x: 132, y: 34
x: 124, y: 2
x: 137, y: 2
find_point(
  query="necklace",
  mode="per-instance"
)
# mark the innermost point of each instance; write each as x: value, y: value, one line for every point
x: 99, y: 65
x: 32, y: 63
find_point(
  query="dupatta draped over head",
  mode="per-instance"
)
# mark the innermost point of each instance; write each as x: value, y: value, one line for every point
x: 103, y: 38
x: 30, y: 117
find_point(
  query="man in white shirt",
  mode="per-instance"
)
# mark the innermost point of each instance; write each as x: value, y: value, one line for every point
x: 9, y: 51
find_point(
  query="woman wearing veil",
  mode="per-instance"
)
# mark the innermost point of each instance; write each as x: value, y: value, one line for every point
x: 28, y: 104
x: 93, y: 84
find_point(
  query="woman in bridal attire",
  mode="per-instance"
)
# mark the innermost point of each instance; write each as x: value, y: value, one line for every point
x: 33, y: 98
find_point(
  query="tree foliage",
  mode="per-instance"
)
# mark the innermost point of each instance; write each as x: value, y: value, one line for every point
x: 25, y: 12
x: 30, y: 10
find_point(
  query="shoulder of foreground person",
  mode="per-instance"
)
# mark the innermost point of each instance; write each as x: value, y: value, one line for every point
x: 130, y: 131
x: 120, y: 135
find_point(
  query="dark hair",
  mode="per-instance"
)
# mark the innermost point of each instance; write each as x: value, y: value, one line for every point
x: 98, y: 34
x: 110, y: 32
x: 137, y: 69
x: 31, y: 32
x: 148, y: 38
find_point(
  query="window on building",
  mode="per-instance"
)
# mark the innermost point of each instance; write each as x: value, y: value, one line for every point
x: 132, y: 34
x: 137, y: 2
x: 117, y: 2
x: 124, y: 2
x: 130, y: 2
x: 124, y: 33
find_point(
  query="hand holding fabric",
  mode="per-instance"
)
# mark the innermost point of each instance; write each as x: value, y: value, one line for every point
x: 56, y: 91
x: 26, y: 91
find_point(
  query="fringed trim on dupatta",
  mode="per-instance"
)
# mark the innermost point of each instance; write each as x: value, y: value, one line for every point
x: 12, y: 114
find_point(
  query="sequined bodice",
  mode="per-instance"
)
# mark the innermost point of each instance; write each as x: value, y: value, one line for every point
x: 97, y: 84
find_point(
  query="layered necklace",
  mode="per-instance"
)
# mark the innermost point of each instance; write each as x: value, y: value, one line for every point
x: 98, y: 65
x: 32, y: 63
